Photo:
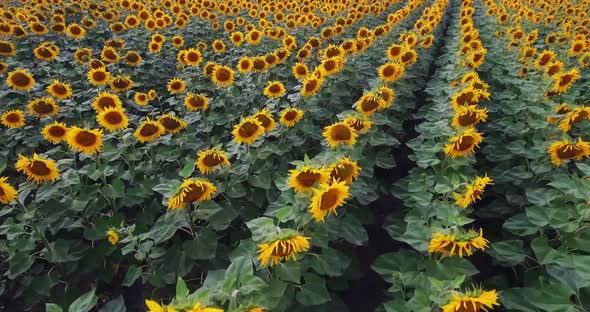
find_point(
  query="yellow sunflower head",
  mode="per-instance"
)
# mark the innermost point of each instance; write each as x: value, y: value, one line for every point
x: 133, y: 58
x: 195, y: 102
x: 177, y: 41
x: 148, y: 131
x: 211, y: 159
x: 291, y: 116
x: 344, y: 170
x: 476, y: 301
x: 121, y: 83
x: 141, y: 98
x: 369, y: 103
x: 339, y: 133
x: 391, y: 72
x: 106, y: 100
x: 110, y: 55
x: 218, y: 46
x: 171, y: 123
x: 222, y: 76
x: 152, y: 94
x: 37, y: 169
x: 463, y: 144
x: 88, y: 141
x: 562, y: 151
x: 55, y: 132
x: 311, y: 85
x: 304, y: 179
x: 265, y: 119
x: 300, y: 71
x: 7, y: 48
x: 284, y: 247
x: 113, y: 119
x: 327, y: 199
x: 544, y: 58
x: 98, y: 76
x: 469, y: 116
x: 360, y: 125
x: 473, y: 191
x: 192, y: 190
x: 75, y: 31
x: 274, y: 89
x: 564, y: 80
x: 42, y: 107
x: 192, y: 57
x: 245, y: 65
x: 248, y: 130
x: 236, y: 38
x: 176, y: 86
x: 60, y: 90
x: 20, y: 80
x: 7, y: 192
x: 13, y: 118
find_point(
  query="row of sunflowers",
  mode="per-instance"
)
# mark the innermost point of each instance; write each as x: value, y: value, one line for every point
x: 244, y: 150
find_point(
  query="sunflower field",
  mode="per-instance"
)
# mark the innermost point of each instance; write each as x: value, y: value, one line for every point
x: 283, y: 155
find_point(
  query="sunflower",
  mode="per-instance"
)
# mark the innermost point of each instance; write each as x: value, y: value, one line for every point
x: 463, y: 144
x: 42, y: 107
x: 345, y: 170
x: 95, y: 63
x: 358, y: 124
x: 59, y: 90
x: 303, y: 180
x: 7, y: 48
x: 236, y: 38
x: 152, y: 95
x: 218, y: 46
x: 564, y: 80
x: 369, y: 103
x: 13, y: 118
x: 259, y: 64
x: 577, y: 47
x: 300, y: 71
x: 110, y: 55
x: 195, y: 102
x: 473, y: 191
x: 44, y: 53
x: 113, y: 236
x: 469, y: 116
x: 391, y: 72
x: 291, y: 116
x: 176, y: 86
x: 245, y: 65
x: 211, y: 159
x: 475, y: 301
x: 544, y: 58
x: 75, y: 31
x: 141, y: 98
x: 3, y: 67
x: 466, y: 97
x: 20, y: 79
x: 154, y: 47
x: 340, y: 133
x: 311, y: 85
x: 192, y: 190
x: 149, y: 130
x: 121, y: 83
x: 55, y: 132
x: 331, y: 66
x: 574, y: 117
x: 562, y: 151
x: 192, y: 57
x: 387, y: 95
x: 327, y: 198
x: 457, y: 244
x: 554, y: 68
x: 171, y: 123
x: 99, y: 76
x: 248, y: 130
x: 284, y: 247
x: 253, y: 37
x: 222, y: 76
x: 133, y: 58
x: 265, y: 119
x: 257, y: 309
x: 7, y: 192
x: 177, y: 41
x: 113, y: 119
x: 105, y: 100
x: 37, y: 169
x: 274, y: 89
x: 88, y: 141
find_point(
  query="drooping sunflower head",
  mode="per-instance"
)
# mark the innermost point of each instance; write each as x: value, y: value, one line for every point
x: 274, y: 89
x: 7, y: 192
x: 106, y: 100
x: 473, y: 191
x: 55, y: 132
x: 223, y: 76
x: 291, y: 116
x: 387, y: 95
x: 564, y: 80
x: 171, y: 123
x: 340, y: 133
x: 20, y: 80
x: 209, y: 68
x: 45, y: 53
x: 3, y: 67
x: 469, y: 116
x: 284, y: 247
x: 466, y: 97
x: 113, y: 119
x: 300, y: 71
x: 13, y: 118
x: 331, y: 66
x: 98, y: 76
x: 304, y: 179
x: 148, y: 131
x: 211, y: 159
x: 259, y: 64
x: 37, y: 169
x: 463, y: 144
x: 245, y: 65
x: 409, y: 56
x: 327, y: 199
x: 344, y: 170
x: 176, y: 86
x: 42, y: 107
x: 554, y: 67
x: 121, y: 83
x: 192, y: 190
x: 248, y: 130
x: 88, y: 141
x: 562, y: 151
x: 475, y: 301
x: 369, y: 103
x: 95, y: 63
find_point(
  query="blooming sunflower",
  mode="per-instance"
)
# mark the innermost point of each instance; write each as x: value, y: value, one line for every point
x: 274, y: 89
x: 149, y: 130
x: 171, y: 123
x: 192, y: 57
x: 211, y: 159
x: 176, y: 86
x: 259, y: 64
x: 98, y: 76
x: 37, y: 169
x: 42, y: 107
x: 360, y: 125
x: 473, y: 191
x: 554, y: 68
x: 387, y: 95
x: 284, y: 247
x: 195, y: 102
x: 121, y: 83
x: 369, y: 103
x: 88, y: 141
x: 60, y: 90
x: 327, y: 198
x: 265, y: 119
x: 154, y: 47
x: 110, y: 55
x: 218, y: 46
x: 44, y: 53
x: 563, y: 81
x: 340, y: 133
x: 303, y: 180
x: 253, y: 37
x: 245, y: 65
x: 236, y: 38
x: 222, y: 76
x: 300, y: 71
x: 112, y: 236
x: 331, y: 66
x: 105, y: 100
x: 75, y: 31
x: 95, y: 63
x: 248, y: 130
x: 55, y: 132
x: 468, y: 116
x: 544, y: 58
x: 291, y: 116
x: 7, y: 48
x: 465, y: 97
x: 177, y: 41
x: 20, y: 80
x: 3, y: 67
x: 344, y: 170
x: 563, y: 151
x: 463, y: 144
x: 7, y: 192
x: 13, y: 118
x: 113, y: 119
x: 574, y: 117
x: 141, y: 98
x: 152, y: 94
x: 311, y: 85
x: 391, y: 72
x: 133, y: 58
x: 474, y: 301
x: 192, y: 190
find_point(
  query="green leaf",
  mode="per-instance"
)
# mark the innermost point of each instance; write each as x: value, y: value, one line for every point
x: 133, y: 273
x: 240, y: 269
x: 115, y: 305
x: 251, y: 284
x: 508, y: 252
x: 330, y: 262
x: 52, y: 307
x: 203, y: 247
x: 262, y: 228
x: 289, y: 271
x: 314, y: 291
x: 19, y: 264
x: 188, y: 169
x: 84, y: 303
x: 181, y: 289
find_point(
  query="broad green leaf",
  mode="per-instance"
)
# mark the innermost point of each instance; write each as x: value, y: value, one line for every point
x: 181, y: 289
x: 52, y: 307
x: 84, y: 303
x: 314, y: 291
